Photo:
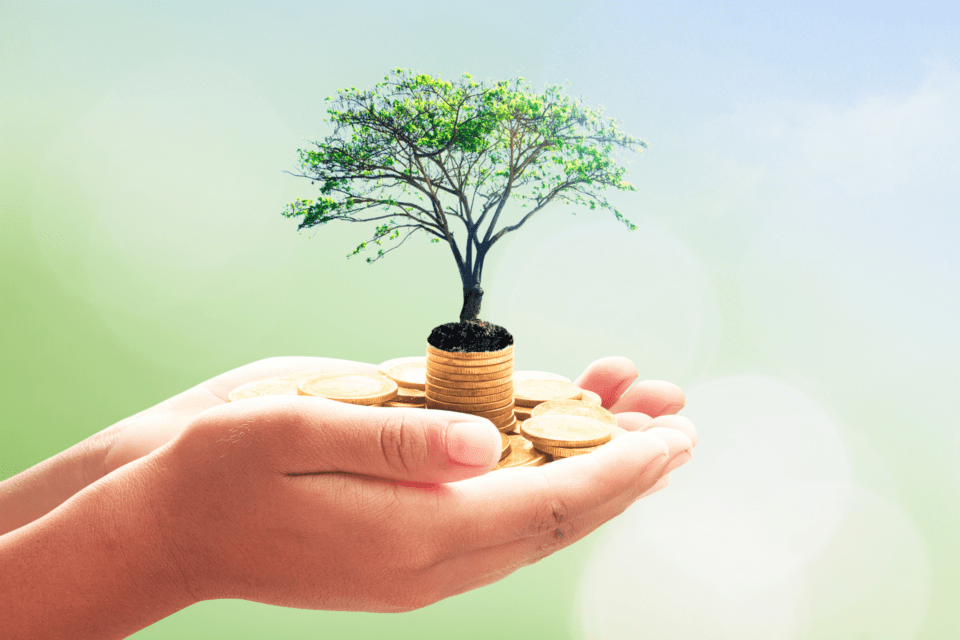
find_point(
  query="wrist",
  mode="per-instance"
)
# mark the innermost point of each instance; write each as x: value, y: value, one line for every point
x: 33, y: 493
x: 95, y: 567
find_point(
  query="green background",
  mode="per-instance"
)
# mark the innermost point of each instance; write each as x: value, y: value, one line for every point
x: 795, y: 270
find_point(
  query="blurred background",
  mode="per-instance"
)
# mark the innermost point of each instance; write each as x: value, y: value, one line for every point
x: 795, y: 270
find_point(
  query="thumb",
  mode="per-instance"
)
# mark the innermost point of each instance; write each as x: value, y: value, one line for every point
x: 415, y: 445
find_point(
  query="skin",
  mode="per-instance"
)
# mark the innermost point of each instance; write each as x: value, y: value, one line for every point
x: 304, y: 502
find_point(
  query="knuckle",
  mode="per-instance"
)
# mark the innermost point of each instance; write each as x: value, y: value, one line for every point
x: 550, y: 511
x: 403, y: 449
x: 562, y: 535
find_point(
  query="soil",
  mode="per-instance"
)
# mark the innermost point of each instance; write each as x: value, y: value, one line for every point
x: 470, y: 337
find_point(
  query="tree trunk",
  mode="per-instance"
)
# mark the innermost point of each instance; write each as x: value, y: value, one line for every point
x: 472, y: 296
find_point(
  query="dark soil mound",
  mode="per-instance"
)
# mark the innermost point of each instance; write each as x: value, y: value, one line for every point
x: 471, y: 336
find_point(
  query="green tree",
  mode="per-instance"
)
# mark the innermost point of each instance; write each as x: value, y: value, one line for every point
x: 418, y: 154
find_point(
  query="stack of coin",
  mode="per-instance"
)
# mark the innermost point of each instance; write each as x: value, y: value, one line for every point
x: 478, y: 383
x: 563, y: 436
x: 522, y: 454
x: 410, y: 376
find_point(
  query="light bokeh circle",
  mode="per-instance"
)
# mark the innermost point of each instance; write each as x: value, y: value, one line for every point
x: 765, y: 493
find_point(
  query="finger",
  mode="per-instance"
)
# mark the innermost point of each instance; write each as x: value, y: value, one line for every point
x: 519, y: 503
x: 484, y: 566
x: 661, y: 484
x: 679, y: 423
x: 297, y: 435
x: 609, y: 377
x: 222, y: 385
x: 652, y: 397
x: 633, y: 420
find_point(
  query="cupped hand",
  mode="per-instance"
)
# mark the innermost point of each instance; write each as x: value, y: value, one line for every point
x: 309, y: 503
x: 148, y: 430
x: 304, y: 502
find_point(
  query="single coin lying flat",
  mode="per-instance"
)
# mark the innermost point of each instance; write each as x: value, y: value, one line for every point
x: 354, y: 388
x: 530, y: 393
x: 409, y: 374
x: 433, y: 358
x: 383, y: 366
x: 574, y: 408
x: 565, y: 431
x: 568, y: 452
x: 266, y: 387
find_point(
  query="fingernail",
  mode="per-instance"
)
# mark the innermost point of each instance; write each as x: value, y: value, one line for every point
x: 671, y: 409
x: 471, y: 443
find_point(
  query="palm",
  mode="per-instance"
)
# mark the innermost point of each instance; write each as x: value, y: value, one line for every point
x: 148, y: 430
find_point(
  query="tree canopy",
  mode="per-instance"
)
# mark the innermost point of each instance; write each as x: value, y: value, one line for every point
x: 420, y: 154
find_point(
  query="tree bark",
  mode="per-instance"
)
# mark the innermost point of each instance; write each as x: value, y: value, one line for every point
x: 472, y: 296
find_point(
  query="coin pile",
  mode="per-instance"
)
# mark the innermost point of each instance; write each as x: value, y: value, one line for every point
x: 541, y: 416
x: 478, y: 383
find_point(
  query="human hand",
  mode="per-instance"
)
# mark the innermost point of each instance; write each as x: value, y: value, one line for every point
x: 148, y: 430
x: 649, y: 405
x: 309, y: 503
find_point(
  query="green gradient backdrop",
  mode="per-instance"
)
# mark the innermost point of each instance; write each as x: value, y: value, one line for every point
x: 142, y: 250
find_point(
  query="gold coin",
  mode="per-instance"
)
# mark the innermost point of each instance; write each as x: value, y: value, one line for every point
x: 538, y: 375
x: 565, y: 431
x: 567, y: 452
x: 468, y: 355
x: 354, y: 388
x: 466, y: 391
x: 498, y: 377
x: 494, y: 413
x: 383, y: 366
x: 524, y: 413
x: 530, y: 393
x: 503, y: 419
x: 591, y: 397
x: 503, y: 413
x: 402, y: 405
x: 505, y: 447
x: 472, y: 362
x: 439, y: 370
x: 484, y: 399
x: 522, y: 454
x: 408, y: 374
x: 510, y: 427
x: 468, y: 408
x: 413, y: 396
x: 266, y: 387
x: 468, y: 384
x: 574, y: 408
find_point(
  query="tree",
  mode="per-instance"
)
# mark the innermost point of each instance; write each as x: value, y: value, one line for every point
x: 415, y: 153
